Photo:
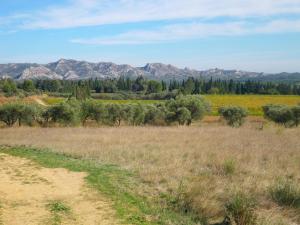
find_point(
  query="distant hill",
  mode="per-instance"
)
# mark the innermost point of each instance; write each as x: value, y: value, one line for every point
x: 67, y: 69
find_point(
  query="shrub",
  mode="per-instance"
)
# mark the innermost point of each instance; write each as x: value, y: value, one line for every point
x: 296, y: 114
x: 154, y: 115
x: 10, y: 113
x: 286, y: 192
x: 234, y: 115
x: 241, y: 209
x: 91, y: 110
x: 135, y: 114
x: 115, y: 114
x: 183, y: 116
x: 64, y: 113
x: 280, y: 114
x: 29, y: 114
x: 177, y: 109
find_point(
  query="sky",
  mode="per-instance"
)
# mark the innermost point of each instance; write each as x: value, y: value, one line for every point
x: 252, y: 35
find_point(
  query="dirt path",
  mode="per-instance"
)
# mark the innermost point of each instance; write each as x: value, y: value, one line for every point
x: 33, y: 195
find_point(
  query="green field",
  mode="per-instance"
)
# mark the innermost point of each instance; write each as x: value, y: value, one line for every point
x: 253, y: 103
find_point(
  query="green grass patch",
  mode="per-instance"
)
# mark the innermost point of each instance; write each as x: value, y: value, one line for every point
x: 117, y: 184
x: 58, y: 210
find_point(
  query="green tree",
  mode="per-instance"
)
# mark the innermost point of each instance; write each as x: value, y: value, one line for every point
x: 234, y: 115
x: 189, y: 86
x: 183, y: 116
x: 90, y: 110
x: 154, y: 87
x: 280, y: 114
x: 296, y: 114
x: 64, y: 113
x: 154, y: 115
x: 115, y: 114
x: 28, y: 86
x: 9, y: 113
x: 9, y: 87
x: 136, y: 114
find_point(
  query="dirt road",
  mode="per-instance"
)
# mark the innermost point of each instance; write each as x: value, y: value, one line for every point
x: 33, y: 195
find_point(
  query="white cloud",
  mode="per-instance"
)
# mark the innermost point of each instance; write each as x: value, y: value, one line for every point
x: 186, y: 31
x: 79, y: 13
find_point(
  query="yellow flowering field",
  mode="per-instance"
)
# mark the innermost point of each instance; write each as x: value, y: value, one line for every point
x: 252, y: 102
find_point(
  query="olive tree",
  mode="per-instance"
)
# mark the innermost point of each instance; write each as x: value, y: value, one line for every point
x: 280, y: 114
x: 296, y: 114
x: 64, y: 113
x: 234, y: 115
x: 196, y: 105
x: 10, y: 113
x: 91, y: 110
x: 115, y: 114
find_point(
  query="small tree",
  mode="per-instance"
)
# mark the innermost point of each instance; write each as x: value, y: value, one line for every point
x: 183, y: 116
x: 28, y: 86
x: 234, y: 115
x: 136, y: 114
x: 296, y: 114
x: 154, y: 115
x: 91, y: 110
x: 28, y: 114
x: 154, y: 86
x: 9, y: 87
x: 63, y: 113
x: 280, y: 114
x: 10, y: 113
x: 115, y: 114
x: 196, y: 105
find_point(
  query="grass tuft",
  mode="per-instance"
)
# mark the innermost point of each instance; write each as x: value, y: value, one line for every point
x: 286, y: 192
x: 241, y: 209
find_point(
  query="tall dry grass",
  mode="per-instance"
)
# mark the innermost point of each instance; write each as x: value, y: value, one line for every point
x: 212, y: 162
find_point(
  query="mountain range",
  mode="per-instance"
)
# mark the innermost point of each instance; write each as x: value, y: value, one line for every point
x: 68, y: 69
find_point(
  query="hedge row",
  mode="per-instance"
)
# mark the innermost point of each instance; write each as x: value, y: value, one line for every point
x: 182, y: 110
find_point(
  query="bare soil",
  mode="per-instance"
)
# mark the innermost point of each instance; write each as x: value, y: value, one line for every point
x: 27, y: 190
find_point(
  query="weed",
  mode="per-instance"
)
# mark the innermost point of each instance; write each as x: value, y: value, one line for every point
x: 229, y: 166
x: 286, y: 192
x: 240, y: 209
x: 58, y: 207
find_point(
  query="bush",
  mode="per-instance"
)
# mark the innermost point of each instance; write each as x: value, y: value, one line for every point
x: 280, y: 114
x: 64, y: 113
x: 154, y: 115
x: 115, y: 114
x: 286, y: 192
x: 29, y: 114
x: 135, y: 114
x: 177, y: 109
x: 10, y: 113
x: 234, y: 115
x: 91, y: 110
x: 240, y: 209
x: 296, y: 114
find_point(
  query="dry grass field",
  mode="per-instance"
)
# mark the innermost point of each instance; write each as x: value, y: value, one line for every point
x: 205, y: 165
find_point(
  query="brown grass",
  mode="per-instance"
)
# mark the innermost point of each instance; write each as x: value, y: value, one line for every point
x: 195, y: 156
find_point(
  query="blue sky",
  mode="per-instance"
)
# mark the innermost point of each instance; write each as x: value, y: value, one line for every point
x: 253, y: 35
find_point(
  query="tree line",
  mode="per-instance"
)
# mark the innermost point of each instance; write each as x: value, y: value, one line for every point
x: 143, y: 86
x: 182, y: 110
